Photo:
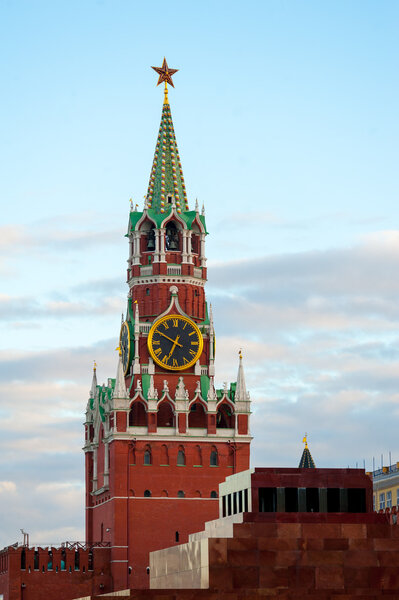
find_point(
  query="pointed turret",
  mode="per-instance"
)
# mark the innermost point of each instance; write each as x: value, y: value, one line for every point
x: 166, y: 180
x: 241, y: 389
x: 306, y: 461
x: 94, y: 382
x: 120, y: 390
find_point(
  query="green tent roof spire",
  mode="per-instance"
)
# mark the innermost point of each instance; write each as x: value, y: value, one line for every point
x: 306, y: 461
x: 166, y: 184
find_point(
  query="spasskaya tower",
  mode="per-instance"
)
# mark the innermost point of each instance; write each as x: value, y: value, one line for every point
x: 160, y: 437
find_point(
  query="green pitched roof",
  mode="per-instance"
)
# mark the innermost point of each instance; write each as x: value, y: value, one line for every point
x: 188, y: 216
x: 166, y: 173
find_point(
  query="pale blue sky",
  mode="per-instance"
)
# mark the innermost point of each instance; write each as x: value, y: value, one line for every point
x: 286, y: 117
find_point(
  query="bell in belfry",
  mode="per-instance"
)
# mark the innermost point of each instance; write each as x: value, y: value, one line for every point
x: 151, y: 239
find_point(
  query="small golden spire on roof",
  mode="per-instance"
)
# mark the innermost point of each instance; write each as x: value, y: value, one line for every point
x: 240, y: 353
x: 95, y: 366
x: 305, y: 440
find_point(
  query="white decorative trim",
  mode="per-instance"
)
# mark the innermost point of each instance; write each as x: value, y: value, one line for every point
x: 221, y: 434
x: 186, y: 279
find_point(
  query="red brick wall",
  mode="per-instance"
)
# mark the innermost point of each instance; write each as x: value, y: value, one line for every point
x: 55, y: 584
x: 152, y: 522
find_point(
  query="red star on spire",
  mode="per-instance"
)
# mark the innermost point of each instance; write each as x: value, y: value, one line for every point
x: 165, y: 74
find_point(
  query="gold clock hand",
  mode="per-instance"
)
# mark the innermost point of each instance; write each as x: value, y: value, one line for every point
x: 174, y: 346
x: 170, y: 339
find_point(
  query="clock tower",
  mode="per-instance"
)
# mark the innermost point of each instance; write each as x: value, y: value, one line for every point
x: 160, y: 437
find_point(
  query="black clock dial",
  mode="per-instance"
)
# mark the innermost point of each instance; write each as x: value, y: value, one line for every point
x: 175, y: 342
x: 124, y: 344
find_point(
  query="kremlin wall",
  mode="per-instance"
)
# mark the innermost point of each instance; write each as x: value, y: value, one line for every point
x: 172, y: 508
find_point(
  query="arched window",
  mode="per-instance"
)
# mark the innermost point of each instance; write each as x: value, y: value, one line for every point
x: 197, y: 456
x: 194, y: 244
x: 181, y: 457
x: 198, y: 494
x: 197, y: 416
x: 147, y: 494
x: 225, y: 417
x: 165, y: 416
x: 137, y: 415
x: 147, y: 291
x: 147, y: 456
x: 165, y: 493
x: 164, y: 455
x: 214, y: 494
x: 23, y: 559
x: 171, y: 237
x: 180, y: 494
x: 214, y: 459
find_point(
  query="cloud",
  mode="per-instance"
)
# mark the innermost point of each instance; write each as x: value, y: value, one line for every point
x: 7, y: 487
x: 70, y: 365
x: 28, y: 307
x: 62, y: 235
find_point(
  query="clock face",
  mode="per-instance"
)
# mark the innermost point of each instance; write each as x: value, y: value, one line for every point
x: 124, y: 344
x: 175, y: 342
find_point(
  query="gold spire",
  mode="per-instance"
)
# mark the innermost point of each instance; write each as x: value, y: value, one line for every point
x: 305, y: 440
x: 165, y: 98
x: 95, y: 366
x: 118, y: 349
x: 240, y: 354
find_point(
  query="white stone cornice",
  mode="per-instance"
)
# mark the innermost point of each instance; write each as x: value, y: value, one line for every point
x: 171, y: 279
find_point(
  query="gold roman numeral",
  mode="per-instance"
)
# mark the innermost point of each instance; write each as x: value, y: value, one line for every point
x: 194, y: 343
x: 165, y: 325
x: 165, y: 359
x: 157, y: 342
x: 175, y: 322
x: 175, y: 363
x: 192, y: 333
x: 185, y: 361
x: 192, y: 352
x: 157, y: 351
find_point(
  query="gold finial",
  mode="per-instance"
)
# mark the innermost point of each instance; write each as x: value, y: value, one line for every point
x: 95, y: 366
x: 165, y: 96
x: 240, y: 354
x: 305, y: 440
x: 118, y: 349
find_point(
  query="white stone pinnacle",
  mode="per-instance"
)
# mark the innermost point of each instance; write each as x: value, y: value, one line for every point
x: 120, y: 390
x: 93, y: 388
x: 241, y: 390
